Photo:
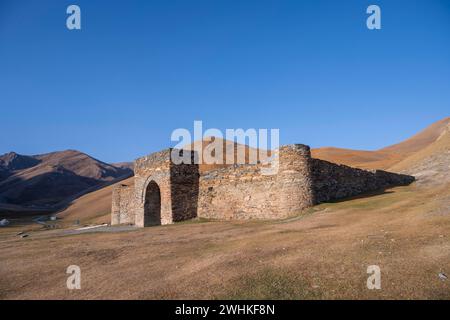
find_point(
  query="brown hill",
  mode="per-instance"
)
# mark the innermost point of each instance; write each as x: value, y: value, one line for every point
x: 124, y: 165
x: 230, y: 150
x: 94, y: 207
x: 357, y: 158
x: 420, y: 140
x: 387, y: 157
x: 13, y: 161
x: 51, y: 180
x: 432, y: 163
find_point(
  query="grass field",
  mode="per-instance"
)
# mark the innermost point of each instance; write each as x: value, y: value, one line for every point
x: 323, y: 253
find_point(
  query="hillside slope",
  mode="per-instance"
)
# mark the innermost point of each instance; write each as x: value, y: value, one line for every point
x: 94, y: 207
x: 49, y: 180
x: 387, y: 157
x: 230, y: 150
x: 431, y: 165
x: 357, y: 158
x: 420, y: 140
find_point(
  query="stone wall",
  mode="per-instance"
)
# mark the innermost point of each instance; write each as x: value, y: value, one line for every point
x: 237, y: 192
x: 245, y: 192
x: 178, y: 186
x: 332, y: 181
x: 164, y: 192
x: 148, y: 169
x: 294, y: 181
x: 122, y: 211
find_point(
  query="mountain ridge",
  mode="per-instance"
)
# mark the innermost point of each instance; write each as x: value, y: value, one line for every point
x: 386, y: 157
x: 47, y: 181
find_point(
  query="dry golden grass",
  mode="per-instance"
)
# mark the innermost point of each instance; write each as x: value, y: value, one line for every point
x: 94, y: 207
x: 320, y: 254
x: 441, y: 146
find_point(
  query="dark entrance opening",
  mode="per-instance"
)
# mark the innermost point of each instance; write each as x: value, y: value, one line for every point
x: 152, y: 206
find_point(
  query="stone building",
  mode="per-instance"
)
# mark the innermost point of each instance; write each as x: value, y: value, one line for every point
x: 164, y: 192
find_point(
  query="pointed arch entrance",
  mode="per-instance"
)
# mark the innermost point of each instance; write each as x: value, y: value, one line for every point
x: 152, y: 205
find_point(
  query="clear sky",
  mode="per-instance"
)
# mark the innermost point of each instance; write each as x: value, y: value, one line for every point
x: 140, y: 69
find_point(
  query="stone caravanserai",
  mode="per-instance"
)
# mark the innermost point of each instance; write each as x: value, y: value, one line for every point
x: 164, y: 192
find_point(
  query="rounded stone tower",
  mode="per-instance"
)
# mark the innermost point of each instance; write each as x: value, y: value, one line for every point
x: 294, y: 179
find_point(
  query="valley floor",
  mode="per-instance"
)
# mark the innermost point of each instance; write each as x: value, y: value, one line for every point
x: 321, y: 254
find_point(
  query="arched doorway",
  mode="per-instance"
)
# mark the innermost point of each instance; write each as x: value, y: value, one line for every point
x: 152, y: 206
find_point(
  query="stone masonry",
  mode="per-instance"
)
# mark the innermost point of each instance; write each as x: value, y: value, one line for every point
x: 164, y: 192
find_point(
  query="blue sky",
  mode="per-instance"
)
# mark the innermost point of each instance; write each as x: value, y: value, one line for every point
x: 140, y: 69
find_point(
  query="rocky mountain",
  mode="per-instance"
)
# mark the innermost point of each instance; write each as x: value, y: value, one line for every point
x: 124, y: 165
x: 50, y: 180
x: 12, y: 161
